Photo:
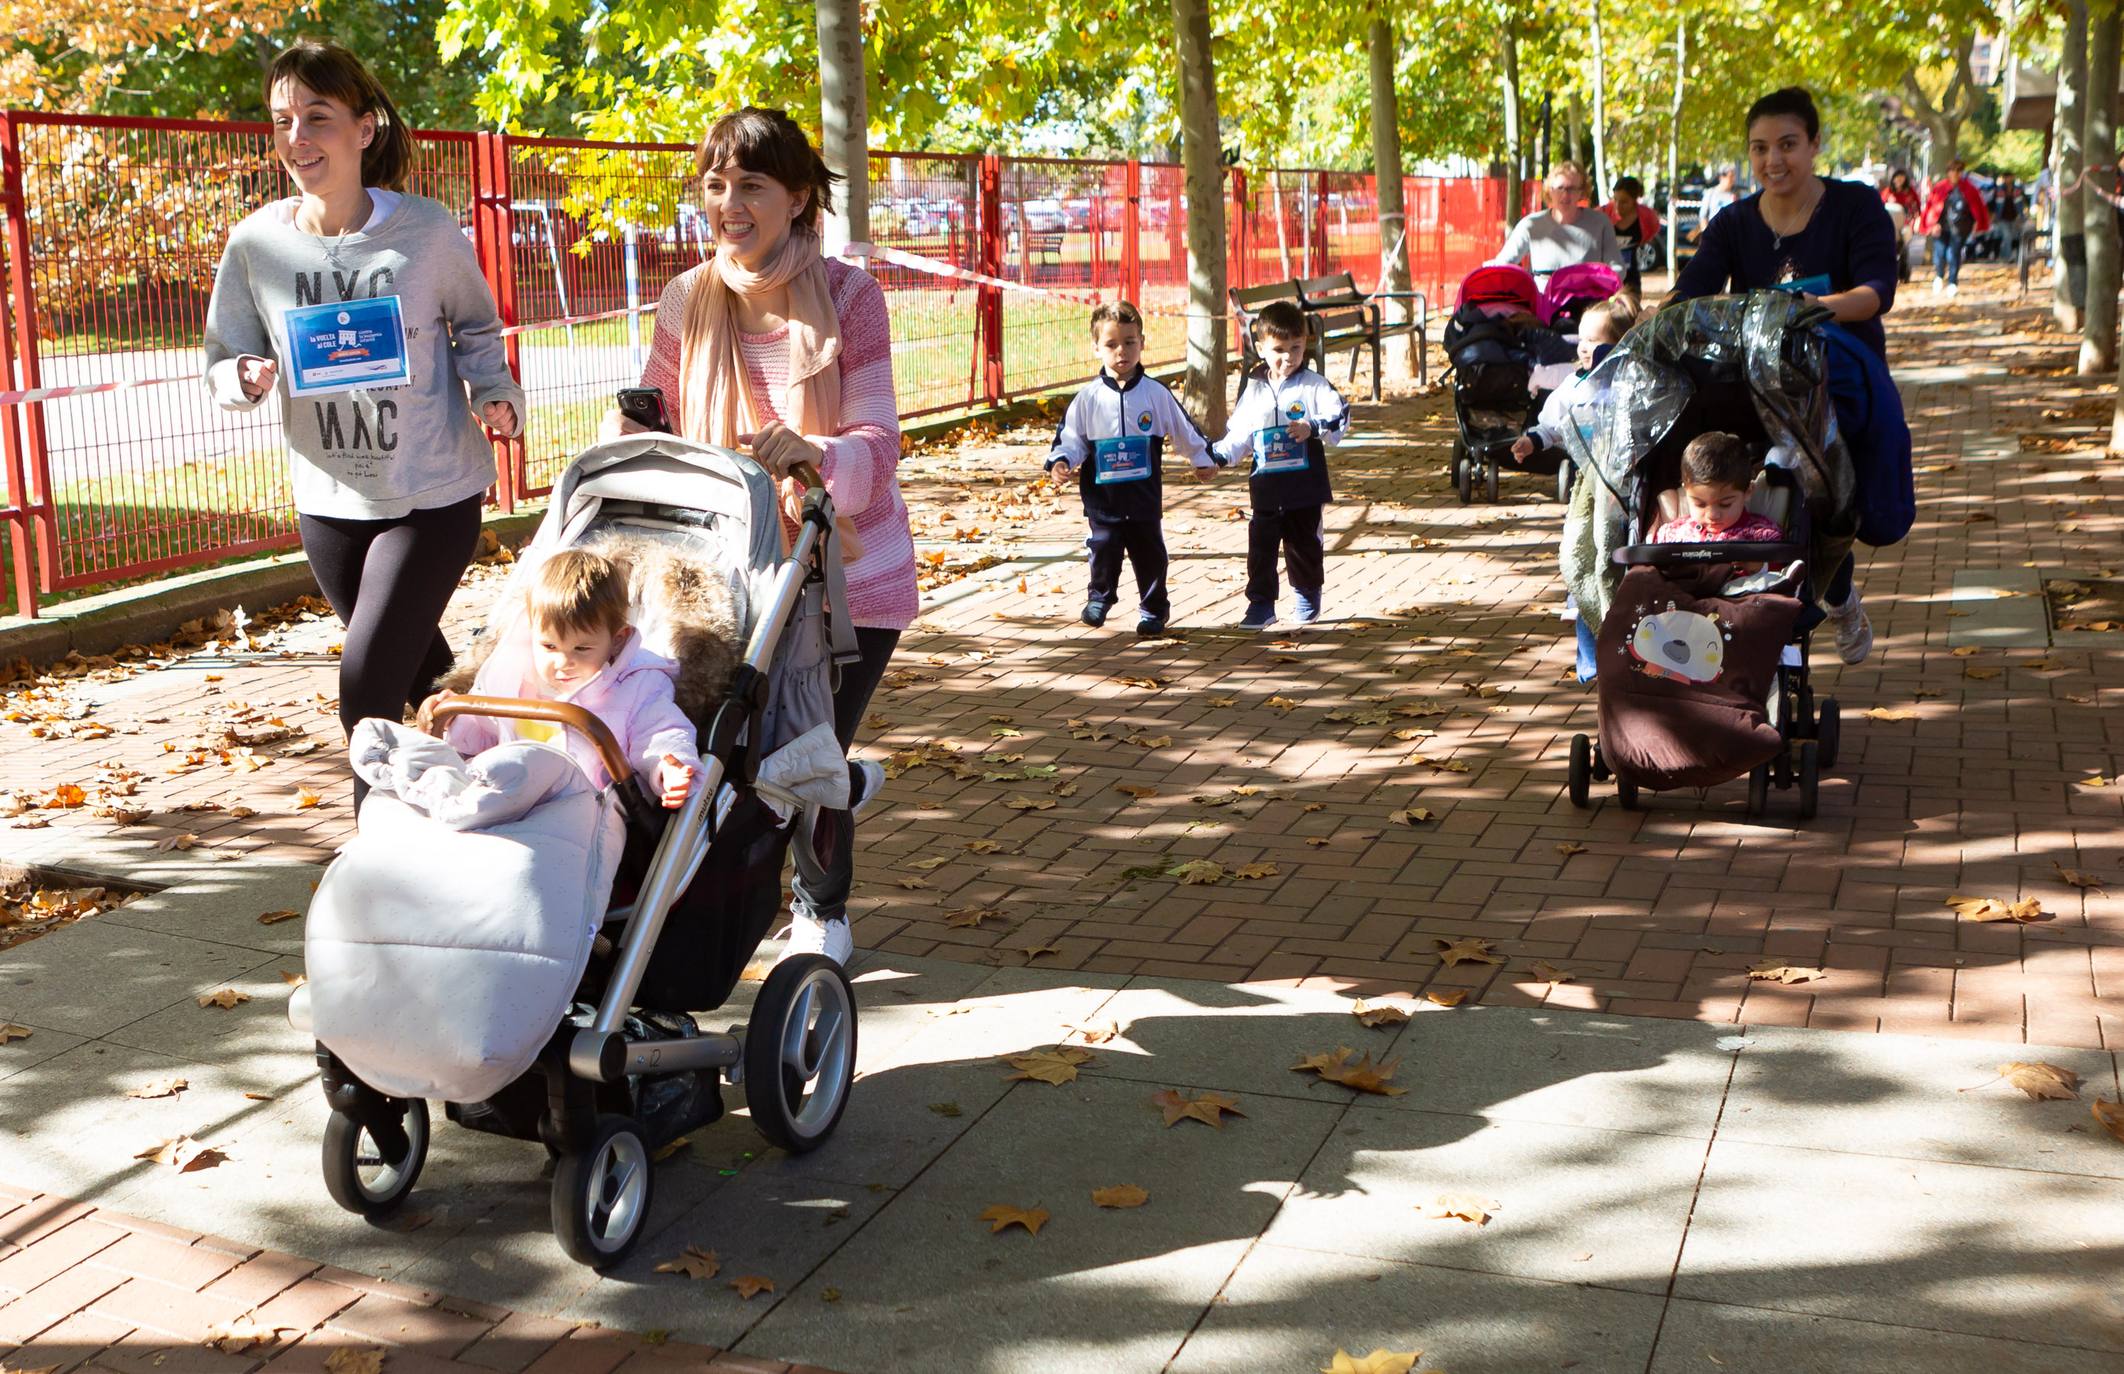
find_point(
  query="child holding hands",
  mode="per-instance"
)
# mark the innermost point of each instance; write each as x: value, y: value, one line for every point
x: 1599, y: 329
x: 1112, y: 438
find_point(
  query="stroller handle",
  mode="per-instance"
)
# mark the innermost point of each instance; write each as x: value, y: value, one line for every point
x: 1739, y: 551
x: 550, y: 712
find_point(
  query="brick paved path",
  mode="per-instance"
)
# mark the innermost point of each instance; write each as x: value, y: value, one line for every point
x: 1016, y: 727
x: 90, y: 1289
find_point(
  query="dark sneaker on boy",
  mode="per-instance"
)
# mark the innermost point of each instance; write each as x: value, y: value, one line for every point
x: 1151, y: 625
x: 1259, y: 615
x: 1094, y: 614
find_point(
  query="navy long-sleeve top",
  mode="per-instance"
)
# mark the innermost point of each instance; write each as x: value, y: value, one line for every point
x: 1849, y: 243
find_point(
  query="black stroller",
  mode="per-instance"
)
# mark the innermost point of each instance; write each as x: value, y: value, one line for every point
x: 624, y: 1068
x: 1493, y: 344
x: 1704, y: 671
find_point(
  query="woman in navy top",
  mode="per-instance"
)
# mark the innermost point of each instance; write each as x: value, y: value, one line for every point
x: 1830, y: 240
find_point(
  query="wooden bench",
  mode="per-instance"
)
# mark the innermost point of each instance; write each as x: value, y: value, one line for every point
x: 1246, y: 303
x: 1345, y: 317
x: 1044, y: 248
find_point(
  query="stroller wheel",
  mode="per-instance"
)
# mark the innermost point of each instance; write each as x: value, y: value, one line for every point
x: 1489, y: 480
x: 1759, y: 790
x: 1810, y: 778
x: 1581, y: 771
x: 1626, y: 792
x: 1827, y: 731
x: 1463, y: 474
x: 800, y: 1052
x: 1564, y: 473
x: 360, y: 1175
x: 601, y: 1194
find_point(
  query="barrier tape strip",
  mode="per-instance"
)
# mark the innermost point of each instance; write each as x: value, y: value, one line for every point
x: 937, y: 267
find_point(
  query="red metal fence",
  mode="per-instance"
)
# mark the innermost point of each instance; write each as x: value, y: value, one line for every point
x: 114, y: 228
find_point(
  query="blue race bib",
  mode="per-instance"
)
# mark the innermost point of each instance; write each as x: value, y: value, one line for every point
x: 350, y: 346
x: 1276, y: 451
x: 1121, y: 460
x: 1817, y: 285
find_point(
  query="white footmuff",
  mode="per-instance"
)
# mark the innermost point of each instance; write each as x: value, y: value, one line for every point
x: 441, y: 958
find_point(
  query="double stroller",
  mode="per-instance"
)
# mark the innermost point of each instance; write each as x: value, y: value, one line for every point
x: 1493, y: 343
x: 1702, y: 653
x: 537, y: 976
x: 1572, y: 290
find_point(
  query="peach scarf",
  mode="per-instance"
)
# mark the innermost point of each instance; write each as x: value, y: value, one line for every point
x: 718, y: 404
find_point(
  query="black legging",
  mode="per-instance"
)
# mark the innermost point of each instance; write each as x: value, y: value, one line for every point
x: 389, y: 580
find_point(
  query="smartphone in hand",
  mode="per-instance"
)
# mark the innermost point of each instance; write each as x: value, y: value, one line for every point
x: 645, y: 406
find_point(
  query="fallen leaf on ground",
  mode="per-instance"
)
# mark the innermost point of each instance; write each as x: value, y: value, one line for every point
x: 1376, y: 1017
x: 1257, y: 870
x: 1381, y: 1361
x: 1414, y: 815
x: 1982, y: 909
x: 1460, y: 1207
x: 928, y: 865
x: 234, y: 1338
x: 1977, y: 674
x: 911, y: 884
x: 1143, y: 741
x: 305, y: 799
x: 225, y: 998
x: 2111, y: 1115
x: 161, y: 1087
x: 274, y: 918
x: 1056, y: 1066
x: 946, y: 1109
x: 294, y: 980
x: 1208, y: 1108
x: 2040, y: 1080
x: 1030, y: 803
x: 1568, y: 848
x: 1778, y: 971
x: 2077, y: 877
x: 1550, y: 973
x: 1196, y: 872
x: 185, y: 841
x: 2096, y: 781
x: 1098, y: 1035
x: 1136, y: 789
x: 970, y: 917
x: 693, y: 1262
x: 10, y: 1032
x: 983, y: 846
x: 1451, y: 997
x: 1365, y: 1075
x: 750, y: 1286
x: 1884, y: 713
x: 1281, y: 703
x: 999, y: 1216
x: 1120, y: 1195
x: 183, y: 1154
x: 1467, y: 950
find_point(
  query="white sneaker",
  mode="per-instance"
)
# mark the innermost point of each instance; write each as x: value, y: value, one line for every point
x: 810, y: 935
x: 868, y: 781
x: 1954, y: 288
x: 1854, y: 632
x: 1939, y: 284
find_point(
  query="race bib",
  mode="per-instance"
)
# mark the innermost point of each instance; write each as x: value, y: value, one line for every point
x: 1121, y: 460
x: 1817, y: 285
x: 1276, y: 451
x: 351, y: 346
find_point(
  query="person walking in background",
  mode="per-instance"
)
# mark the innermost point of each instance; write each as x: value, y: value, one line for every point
x: 1717, y: 197
x: 1636, y: 225
x: 1954, y: 209
x: 1901, y: 197
x: 365, y: 309
x: 2009, y: 210
x: 1566, y: 232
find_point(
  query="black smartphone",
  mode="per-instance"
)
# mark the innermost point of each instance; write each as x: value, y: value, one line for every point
x: 645, y: 406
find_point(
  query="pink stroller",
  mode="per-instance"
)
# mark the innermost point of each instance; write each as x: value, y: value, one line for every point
x: 1572, y: 289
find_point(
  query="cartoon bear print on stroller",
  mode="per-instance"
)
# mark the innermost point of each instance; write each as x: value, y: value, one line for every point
x: 1493, y: 343
x: 504, y: 972
x: 1703, y: 664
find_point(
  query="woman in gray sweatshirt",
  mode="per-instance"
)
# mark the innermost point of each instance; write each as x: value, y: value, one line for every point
x: 365, y: 310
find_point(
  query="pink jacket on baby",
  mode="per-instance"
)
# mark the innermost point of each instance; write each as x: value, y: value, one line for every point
x: 632, y: 696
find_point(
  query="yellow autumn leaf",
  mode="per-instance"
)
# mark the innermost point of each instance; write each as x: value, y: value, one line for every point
x: 2040, y: 1080
x: 1000, y: 1216
x: 1380, y: 1361
x: 1120, y: 1195
x: 693, y: 1262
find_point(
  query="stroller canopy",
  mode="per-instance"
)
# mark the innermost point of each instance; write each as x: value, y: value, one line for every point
x: 1581, y: 282
x: 1499, y: 284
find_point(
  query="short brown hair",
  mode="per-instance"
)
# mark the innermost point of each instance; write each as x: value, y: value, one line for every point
x: 580, y: 591
x: 1718, y: 459
x: 1283, y: 319
x: 771, y: 143
x: 1115, y: 312
x: 337, y: 74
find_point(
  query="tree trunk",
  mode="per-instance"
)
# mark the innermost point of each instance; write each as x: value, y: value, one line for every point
x: 1681, y: 71
x: 2068, y: 129
x: 1201, y: 150
x: 2098, y: 336
x: 1386, y: 177
x: 1515, y: 162
x: 1600, y: 111
x: 844, y: 120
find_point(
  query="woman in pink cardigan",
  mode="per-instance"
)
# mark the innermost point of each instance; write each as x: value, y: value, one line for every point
x: 772, y: 348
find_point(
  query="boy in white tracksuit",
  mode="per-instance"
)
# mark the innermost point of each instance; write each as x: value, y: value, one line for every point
x: 1113, y: 437
x: 1287, y: 417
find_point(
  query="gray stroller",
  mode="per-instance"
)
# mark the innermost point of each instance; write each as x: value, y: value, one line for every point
x: 609, y: 1065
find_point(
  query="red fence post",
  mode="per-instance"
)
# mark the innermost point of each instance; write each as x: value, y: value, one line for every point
x: 1132, y: 232
x: 1323, y: 258
x: 36, y: 500
x: 15, y: 515
x: 493, y: 229
x: 1238, y: 232
x: 988, y: 312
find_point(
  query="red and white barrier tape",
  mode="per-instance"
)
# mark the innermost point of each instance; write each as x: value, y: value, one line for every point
x: 937, y: 267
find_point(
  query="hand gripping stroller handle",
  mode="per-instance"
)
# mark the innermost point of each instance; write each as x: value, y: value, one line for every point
x: 550, y: 712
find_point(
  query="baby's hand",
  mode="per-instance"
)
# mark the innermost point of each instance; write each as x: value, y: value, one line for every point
x: 500, y: 416
x: 425, y: 717
x: 1299, y: 430
x: 676, y: 779
x: 255, y: 375
x: 1522, y: 447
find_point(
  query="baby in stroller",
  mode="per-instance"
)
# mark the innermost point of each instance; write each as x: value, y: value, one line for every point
x: 1496, y: 342
x: 1601, y: 328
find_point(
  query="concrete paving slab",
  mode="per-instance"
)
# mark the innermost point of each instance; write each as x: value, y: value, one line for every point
x: 1291, y: 1309
x: 2008, y: 1253
x: 1699, y: 1336
x: 33, y: 1049
x: 1574, y: 1205
x: 1567, y: 1068
x: 2004, y: 609
x: 254, y: 1033
x: 1918, y: 1098
x: 67, y: 980
x: 225, y: 906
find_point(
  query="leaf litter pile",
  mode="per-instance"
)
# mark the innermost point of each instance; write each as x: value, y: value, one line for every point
x: 29, y: 909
